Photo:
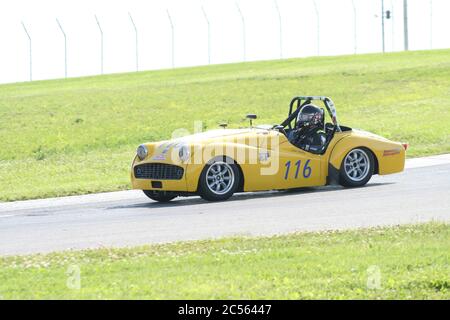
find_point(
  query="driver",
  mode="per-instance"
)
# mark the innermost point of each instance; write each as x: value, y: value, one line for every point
x: 309, y: 132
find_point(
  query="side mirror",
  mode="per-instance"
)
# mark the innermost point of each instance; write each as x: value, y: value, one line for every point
x: 251, y: 117
x: 223, y: 125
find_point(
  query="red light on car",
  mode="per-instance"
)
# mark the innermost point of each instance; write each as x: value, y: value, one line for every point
x: 405, y: 145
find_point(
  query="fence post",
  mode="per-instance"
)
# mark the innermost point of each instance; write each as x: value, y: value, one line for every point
x: 280, y: 29
x: 173, y: 38
x: 209, y: 35
x: 101, y: 43
x: 243, y: 31
x: 136, y: 41
x: 65, y: 47
x: 318, y: 26
x: 31, y: 57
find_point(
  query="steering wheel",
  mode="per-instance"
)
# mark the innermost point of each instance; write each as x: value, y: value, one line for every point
x: 329, y: 127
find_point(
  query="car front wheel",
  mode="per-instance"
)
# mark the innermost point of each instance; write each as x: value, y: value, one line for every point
x: 160, y: 196
x: 357, y: 168
x: 219, y: 179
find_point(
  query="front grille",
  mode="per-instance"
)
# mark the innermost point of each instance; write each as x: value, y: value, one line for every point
x: 158, y: 171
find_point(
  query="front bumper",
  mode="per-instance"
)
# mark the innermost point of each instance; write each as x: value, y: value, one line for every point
x: 166, y: 185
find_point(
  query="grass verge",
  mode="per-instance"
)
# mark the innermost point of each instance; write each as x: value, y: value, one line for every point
x: 407, y: 262
x: 79, y: 135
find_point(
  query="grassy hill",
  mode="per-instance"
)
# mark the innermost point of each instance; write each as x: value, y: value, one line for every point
x: 79, y: 135
x: 408, y: 262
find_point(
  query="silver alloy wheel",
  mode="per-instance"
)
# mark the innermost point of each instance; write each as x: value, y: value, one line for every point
x: 219, y: 178
x: 357, y: 165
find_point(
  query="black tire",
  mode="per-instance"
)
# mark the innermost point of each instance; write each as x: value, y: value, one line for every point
x: 352, y: 172
x: 226, y: 186
x: 160, y: 196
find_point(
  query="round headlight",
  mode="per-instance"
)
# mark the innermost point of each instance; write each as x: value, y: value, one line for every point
x: 184, y: 153
x: 142, y: 152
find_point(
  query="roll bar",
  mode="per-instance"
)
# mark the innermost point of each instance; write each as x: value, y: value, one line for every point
x: 304, y: 100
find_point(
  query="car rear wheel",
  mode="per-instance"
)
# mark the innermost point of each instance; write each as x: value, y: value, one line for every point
x: 357, y: 168
x: 219, y: 179
x: 160, y: 196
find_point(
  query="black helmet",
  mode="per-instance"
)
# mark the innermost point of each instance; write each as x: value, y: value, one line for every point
x: 310, y: 116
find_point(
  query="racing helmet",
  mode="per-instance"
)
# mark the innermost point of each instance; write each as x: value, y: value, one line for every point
x: 310, y: 116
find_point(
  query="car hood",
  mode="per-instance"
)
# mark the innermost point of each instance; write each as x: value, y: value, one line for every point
x: 161, y: 150
x: 216, y: 135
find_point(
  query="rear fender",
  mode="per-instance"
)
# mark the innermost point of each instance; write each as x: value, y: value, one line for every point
x: 389, y: 155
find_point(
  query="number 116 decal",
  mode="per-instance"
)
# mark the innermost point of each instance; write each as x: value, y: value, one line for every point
x: 306, y: 169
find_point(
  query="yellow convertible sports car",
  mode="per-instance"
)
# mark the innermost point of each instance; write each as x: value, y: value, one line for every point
x: 303, y: 151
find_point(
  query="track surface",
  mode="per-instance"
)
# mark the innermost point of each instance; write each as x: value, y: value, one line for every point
x: 421, y: 193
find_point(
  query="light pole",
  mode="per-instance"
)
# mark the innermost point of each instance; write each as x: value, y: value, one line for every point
x: 279, y: 28
x: 243, y: 31
x: 392, y: 25
x: 382, y: 24
x: 136, y: 41
x: 101, y: 43
x: 209, y: 35
x: 431, y: 24
x: 65, y: 47
x: 173, y: 38
x: 355, y: 43
x: 29, y: 44
x: 405, y: 24
x: 318, y: 27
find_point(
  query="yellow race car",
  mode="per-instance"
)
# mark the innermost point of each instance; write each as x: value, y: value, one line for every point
x: 303, y: 151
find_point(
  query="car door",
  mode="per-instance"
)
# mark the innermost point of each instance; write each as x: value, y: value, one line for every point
x: 297, y: 168
x: 283, y: 166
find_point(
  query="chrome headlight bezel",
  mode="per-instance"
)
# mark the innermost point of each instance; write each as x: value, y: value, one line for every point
x: 184, y: 153
x: 142, y: 152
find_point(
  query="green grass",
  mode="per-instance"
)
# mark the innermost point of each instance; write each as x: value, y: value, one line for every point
x: 408, y: 262
x: 79, y: 135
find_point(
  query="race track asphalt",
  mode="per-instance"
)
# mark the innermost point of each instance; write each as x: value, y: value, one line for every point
x: 128, y: 218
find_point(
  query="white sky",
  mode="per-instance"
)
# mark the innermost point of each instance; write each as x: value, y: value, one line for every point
x: 299, y: 32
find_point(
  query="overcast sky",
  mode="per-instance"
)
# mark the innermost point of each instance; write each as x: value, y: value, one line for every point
x: 299, y: 32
